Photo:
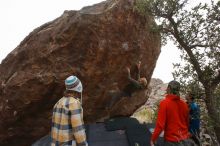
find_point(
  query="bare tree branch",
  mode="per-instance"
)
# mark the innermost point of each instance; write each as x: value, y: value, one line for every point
x: 198, y: 45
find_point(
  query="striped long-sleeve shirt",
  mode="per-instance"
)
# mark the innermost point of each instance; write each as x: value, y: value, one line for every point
x: 67, y: 123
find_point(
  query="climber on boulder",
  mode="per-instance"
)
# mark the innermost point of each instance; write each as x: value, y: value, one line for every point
x: 134, y: 84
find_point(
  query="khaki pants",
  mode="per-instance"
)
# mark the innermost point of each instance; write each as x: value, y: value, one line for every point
x: 187, y: 142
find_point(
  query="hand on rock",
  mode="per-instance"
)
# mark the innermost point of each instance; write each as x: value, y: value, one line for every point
x: 138, y: 64
x: 128, y: 69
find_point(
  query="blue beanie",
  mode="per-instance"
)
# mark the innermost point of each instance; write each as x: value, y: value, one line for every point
x: 73, y: 83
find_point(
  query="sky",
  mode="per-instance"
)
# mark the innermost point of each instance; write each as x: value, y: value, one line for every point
x: 20, y: 17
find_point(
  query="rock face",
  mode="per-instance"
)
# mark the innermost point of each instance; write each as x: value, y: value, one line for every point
x: 157, y: 92
x: 95, y: 44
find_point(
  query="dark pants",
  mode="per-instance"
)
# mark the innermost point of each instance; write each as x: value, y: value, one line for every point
x: 194, y: 126
x: 187, y: 142
x: 194, y: 130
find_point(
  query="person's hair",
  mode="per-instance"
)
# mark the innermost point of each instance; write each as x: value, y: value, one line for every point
x: 174, y: 87
x: 71, y: 93
x: 191, y: 95
x: 68, y: 93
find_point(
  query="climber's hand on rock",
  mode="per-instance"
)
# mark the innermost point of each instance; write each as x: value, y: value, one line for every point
x: 138, y: 64
x: 128, y: 69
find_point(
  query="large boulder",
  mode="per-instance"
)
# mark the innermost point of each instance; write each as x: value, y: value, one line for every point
x: 95, y: 44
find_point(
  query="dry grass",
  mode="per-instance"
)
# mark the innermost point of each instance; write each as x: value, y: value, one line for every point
x: 144, y: 115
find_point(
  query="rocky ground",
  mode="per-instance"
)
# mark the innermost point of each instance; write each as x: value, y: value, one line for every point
x: 148, y: 112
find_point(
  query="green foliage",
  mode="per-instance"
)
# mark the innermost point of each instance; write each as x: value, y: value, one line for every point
x: 217, y: 92
x: 144, y: 115
x: 217, y: 103
x: 141, y: 6
x: 195, y: 30
x: 154, y: 117
x: 195, y: 88
x: 210, y: 123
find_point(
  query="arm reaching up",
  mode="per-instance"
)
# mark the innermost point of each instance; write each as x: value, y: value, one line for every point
x: 138, y: 69
x: 131, y: 80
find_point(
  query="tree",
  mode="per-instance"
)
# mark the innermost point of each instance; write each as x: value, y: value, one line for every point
x: 196, y: 32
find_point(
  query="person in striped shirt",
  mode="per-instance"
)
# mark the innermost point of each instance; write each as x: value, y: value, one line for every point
x: 67, y: 121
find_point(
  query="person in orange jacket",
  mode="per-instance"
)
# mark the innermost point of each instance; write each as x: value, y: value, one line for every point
x: 173, y: 119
